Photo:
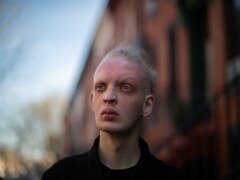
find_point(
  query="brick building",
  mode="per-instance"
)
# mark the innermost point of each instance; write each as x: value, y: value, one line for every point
x: 195, y: 47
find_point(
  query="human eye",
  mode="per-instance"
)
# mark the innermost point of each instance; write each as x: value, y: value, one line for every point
x: 126, y: 88
x: 100, y: 87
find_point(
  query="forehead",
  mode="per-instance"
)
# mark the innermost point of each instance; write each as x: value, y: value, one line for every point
x: 117, y: 66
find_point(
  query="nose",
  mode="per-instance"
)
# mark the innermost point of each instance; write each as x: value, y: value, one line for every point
x: 110, y: 96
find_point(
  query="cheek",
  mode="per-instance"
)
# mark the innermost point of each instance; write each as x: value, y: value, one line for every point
x: 133, y: 106
x: 94, y: 102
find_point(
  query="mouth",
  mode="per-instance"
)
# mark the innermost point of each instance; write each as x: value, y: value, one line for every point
x: 109, y: 112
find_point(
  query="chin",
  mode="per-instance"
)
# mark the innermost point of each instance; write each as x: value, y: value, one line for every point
x: 111, y: 129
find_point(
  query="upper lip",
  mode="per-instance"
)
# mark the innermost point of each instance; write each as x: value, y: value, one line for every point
x: 109, y: 112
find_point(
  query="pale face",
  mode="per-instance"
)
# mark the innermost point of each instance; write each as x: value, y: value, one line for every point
x: 118, y: 98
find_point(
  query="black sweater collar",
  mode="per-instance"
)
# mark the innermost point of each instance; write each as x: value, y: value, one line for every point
x: 95, y: 165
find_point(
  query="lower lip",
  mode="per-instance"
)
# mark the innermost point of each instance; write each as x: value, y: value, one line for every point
x: 109, y: 116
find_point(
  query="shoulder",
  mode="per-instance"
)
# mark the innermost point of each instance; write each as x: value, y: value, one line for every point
x: 71, y: 162
x: 162, y: 169
x: 154, y: 167
x: 68, y: 166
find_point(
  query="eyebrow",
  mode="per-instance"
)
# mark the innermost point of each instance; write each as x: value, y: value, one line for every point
x: 120, y: 80
x: 128, y: 79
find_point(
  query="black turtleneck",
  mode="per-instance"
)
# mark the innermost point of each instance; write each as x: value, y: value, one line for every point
x: 88, y: 166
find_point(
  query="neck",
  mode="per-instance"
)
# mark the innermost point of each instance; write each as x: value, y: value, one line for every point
x: 117, y: 152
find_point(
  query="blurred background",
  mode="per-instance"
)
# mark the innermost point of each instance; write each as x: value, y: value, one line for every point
x: 43, y: 47
x: 49, y: 50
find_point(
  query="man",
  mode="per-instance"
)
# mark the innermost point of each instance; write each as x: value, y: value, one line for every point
x: 122, y: 96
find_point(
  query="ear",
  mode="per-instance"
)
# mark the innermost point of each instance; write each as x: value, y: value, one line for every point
x: 148, y: 105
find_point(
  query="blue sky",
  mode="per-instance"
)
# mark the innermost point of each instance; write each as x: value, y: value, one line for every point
x: 49, y: 41
x: 43, y: 47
